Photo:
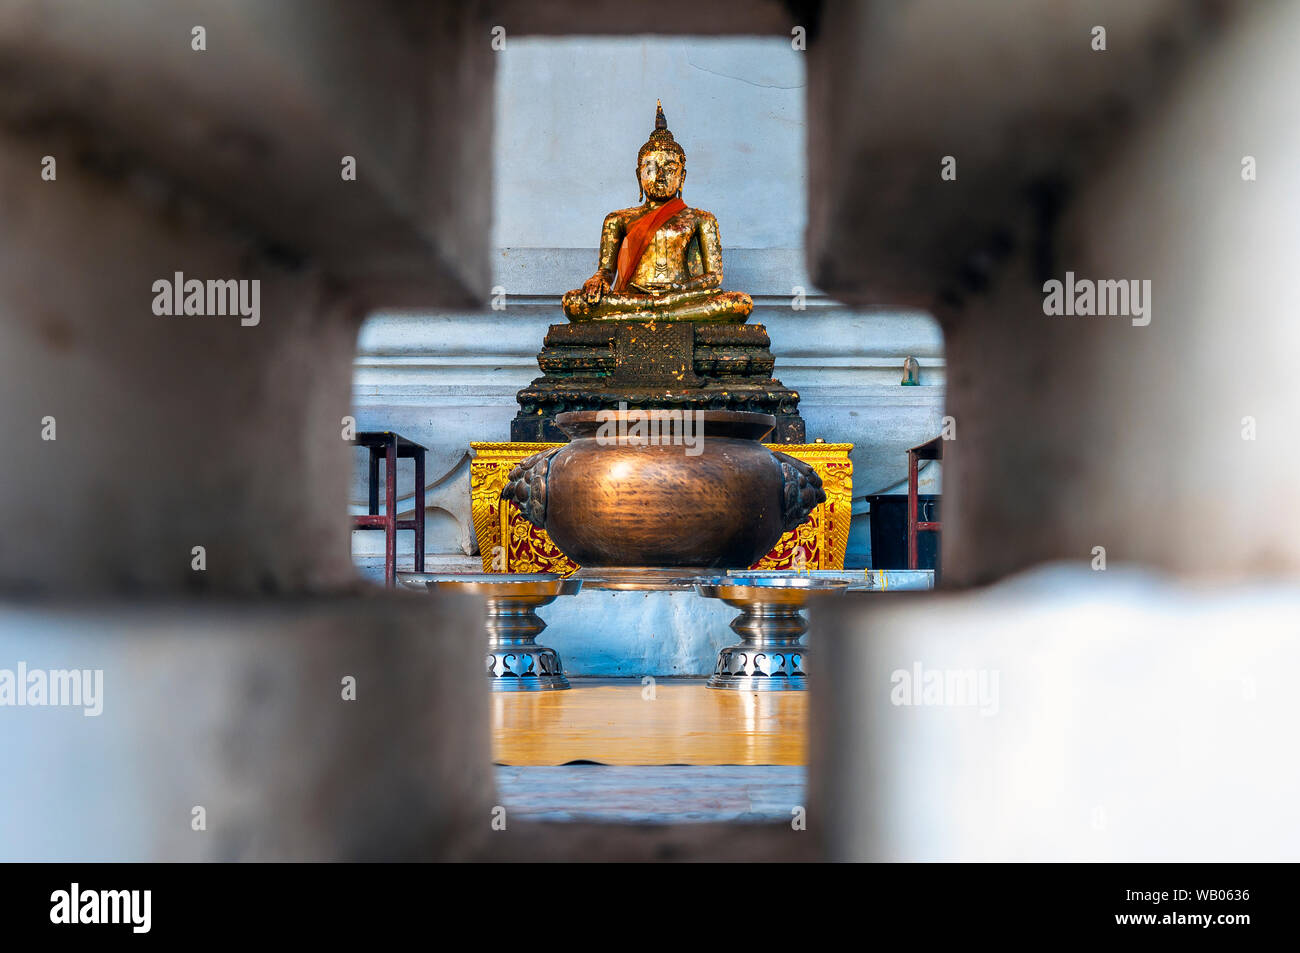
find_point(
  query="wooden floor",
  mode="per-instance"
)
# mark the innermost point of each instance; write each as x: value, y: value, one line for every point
x: 613, y: 721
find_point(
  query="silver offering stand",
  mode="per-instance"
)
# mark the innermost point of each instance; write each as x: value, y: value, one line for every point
x: 515, y: 662
x: 769, y: 656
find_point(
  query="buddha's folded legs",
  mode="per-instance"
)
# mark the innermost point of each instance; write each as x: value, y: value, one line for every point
x: 709, y: 305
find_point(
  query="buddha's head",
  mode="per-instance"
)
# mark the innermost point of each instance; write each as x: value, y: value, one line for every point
x: 661, y: 163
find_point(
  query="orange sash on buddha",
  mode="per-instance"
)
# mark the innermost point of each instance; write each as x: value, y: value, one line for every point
x: 638, y: 237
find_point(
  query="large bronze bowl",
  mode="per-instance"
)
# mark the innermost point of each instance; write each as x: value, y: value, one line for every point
x: 655, y: 489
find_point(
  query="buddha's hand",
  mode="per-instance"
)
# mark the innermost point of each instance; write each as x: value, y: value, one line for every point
x: 704, y: 282
x: 595, y: 288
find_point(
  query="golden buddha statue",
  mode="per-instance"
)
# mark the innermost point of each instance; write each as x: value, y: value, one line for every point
x: 660, y: 260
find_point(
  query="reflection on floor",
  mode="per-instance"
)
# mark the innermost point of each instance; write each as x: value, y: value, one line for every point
x: 661, y: 794
x: 668, y: 752
x: 672, y: 721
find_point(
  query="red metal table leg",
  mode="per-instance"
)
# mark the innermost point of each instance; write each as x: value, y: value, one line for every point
x: 373, y: 486
x: 390, y: 512
x: 419, y: 510
x: 912, y: 515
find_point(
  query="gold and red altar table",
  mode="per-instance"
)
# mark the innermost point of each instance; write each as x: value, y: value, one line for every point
x: 508, y: 543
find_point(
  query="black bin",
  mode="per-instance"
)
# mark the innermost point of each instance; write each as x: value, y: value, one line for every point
x: 889, y: 531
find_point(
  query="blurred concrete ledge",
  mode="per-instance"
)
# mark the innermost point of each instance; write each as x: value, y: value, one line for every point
x: 536, y: 842
x: 240, y: 710
x: 670, y: 17
x: 1064, y: 714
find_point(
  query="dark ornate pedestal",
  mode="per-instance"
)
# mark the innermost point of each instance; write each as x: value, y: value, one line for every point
x: 596, y: 365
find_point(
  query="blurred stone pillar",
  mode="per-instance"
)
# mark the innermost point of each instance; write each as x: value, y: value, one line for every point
x: 225, y: 163
x: 1167, y: 444
x: 170, y: 432
x: 225, y: 156
x: 1077, y: 432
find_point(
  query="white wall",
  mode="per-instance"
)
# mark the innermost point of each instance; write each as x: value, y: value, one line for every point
x: 572, y: 112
